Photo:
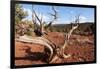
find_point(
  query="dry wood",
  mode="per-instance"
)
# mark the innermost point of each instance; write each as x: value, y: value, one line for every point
x: 40, y: 20
x: 55, y: 53
x: 38, y: 40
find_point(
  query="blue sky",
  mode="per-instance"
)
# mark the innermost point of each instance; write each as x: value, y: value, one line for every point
x: 65, y: 14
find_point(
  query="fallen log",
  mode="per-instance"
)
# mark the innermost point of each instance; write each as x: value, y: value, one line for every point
x: 38, y: 40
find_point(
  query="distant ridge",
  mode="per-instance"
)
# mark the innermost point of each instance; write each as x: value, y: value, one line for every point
x: 83, y: 27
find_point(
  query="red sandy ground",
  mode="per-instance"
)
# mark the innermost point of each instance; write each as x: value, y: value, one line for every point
x: 80, y: 52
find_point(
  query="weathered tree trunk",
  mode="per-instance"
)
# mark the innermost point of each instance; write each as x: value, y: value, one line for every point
x: 38, y: 40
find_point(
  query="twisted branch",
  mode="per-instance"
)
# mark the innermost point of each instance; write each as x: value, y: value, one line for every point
x: 38, y: 40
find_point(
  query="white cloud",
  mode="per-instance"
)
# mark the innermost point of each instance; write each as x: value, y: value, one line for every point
x: 83, y: 19
x: 28, y: 11
x: 29, y: 17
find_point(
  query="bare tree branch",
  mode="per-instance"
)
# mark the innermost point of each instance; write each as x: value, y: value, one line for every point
x: 54, y: 15
x: 77, y: 18
x: 41, y: 27
x: 67, y: 36
x: 34, y: 19
x: 36, y: 15
x: 74, y: 26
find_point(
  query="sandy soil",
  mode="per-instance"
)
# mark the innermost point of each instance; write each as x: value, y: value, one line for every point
x: 80, y: 51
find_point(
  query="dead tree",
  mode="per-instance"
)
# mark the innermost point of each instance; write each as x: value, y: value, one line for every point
x: 40, y: 30
x: 56, y: 52
x: 60, y: 51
